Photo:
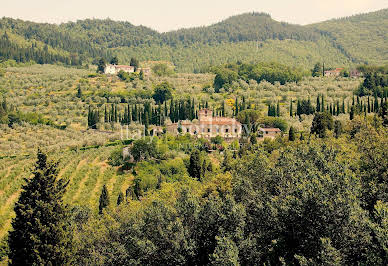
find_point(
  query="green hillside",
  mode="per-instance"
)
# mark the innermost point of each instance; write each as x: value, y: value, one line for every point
x: 247, y: 37
x: 362, y: 37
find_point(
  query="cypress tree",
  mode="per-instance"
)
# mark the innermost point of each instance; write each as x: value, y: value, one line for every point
x: 376, y: 105
x: 120, y: 198
x: 291, y: 112
x: 115, y: 114
x: 40, y: 233
x: 338, y: 108
x: 79, y: 92
x: 351, y: 113
x: 165, y: 109
x: 369, y: 110
x: 298, y: 108
x: 236, y: 107
x: 278, y: 109
x: 318, y: 108
x: 195, y: 165
x: 105, y: 116
x: 343, y: 106
x: 322, y: 104
x: 243, y: 107
x: 291, y: 134
x: 104, y: 199
x: 146, y: 125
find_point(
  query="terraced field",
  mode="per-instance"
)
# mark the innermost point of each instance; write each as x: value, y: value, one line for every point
x: 87, y: 171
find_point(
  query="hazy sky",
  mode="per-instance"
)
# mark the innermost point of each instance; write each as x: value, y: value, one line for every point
x: 165, y: 15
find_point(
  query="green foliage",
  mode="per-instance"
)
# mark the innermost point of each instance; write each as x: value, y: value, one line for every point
x: 321, y: 123
x: 248, y: 116
x: 271, y: 72
x: 224, y: 78
x: 135, y: 63
x: 101, y: 65
x: 145, y: 149
x: 375, y: 83
x: 275, y: 122
x: 162, y: 70
x: 317, y: 70
x: 116, y: 157
x: 195, y: 165
x: 303, y: 199
x: 251, y: 36
x: 305, y: 107
x: 40, y: 233
x: 162, y: 92
x: 125, y: 76
x: 2, y: 72
x: 114, y: 61
x: 120, y: 198
x: 337, y: 128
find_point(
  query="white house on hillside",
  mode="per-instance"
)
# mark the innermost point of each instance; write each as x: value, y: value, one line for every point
x: 115, y: 69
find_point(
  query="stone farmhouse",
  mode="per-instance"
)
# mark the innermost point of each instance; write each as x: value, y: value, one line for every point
x: 271, y: 133
x: 354, y: 73
x: 333, y: 73
x: 115, y: 69
x: 208, y: 126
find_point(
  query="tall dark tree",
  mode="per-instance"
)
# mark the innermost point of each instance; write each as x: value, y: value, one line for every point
x: 101, y: 65
x: 195, y: 165
x: 40, y: 233
x: 79, y: 92
x: 163, y: 92
x: 291, y: 134
x: 114, y: 61
x: 104, y: 199
x: 120, y: 198
x: 135, y: 63
x: 337, y: 128
x: 321, y: 123
x: 316, y: 72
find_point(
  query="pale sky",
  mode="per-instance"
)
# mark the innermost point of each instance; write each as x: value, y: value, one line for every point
x: 166, y: 15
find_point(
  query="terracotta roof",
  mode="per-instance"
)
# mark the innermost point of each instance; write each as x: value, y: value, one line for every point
x: 271, y: 129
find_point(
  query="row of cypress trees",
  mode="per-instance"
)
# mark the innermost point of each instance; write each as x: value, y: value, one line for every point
x: 305, y: 107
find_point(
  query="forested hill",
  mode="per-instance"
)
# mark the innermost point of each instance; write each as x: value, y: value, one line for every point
x: 245, y: 27
x: 363, y: 37
x: 246, y: 37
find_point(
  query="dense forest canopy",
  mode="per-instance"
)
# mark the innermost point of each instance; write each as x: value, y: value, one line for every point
x: 254, y: 36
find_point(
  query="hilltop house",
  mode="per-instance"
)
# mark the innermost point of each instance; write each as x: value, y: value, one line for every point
x: 271, y: 133
x: 333, y: 73
x: 354, y: 73
x: 115, y: 69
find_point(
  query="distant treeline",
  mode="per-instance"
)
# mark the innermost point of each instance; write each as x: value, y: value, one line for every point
x: 252, y: 36
x: 271, y: 72
x: 11, y: 51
